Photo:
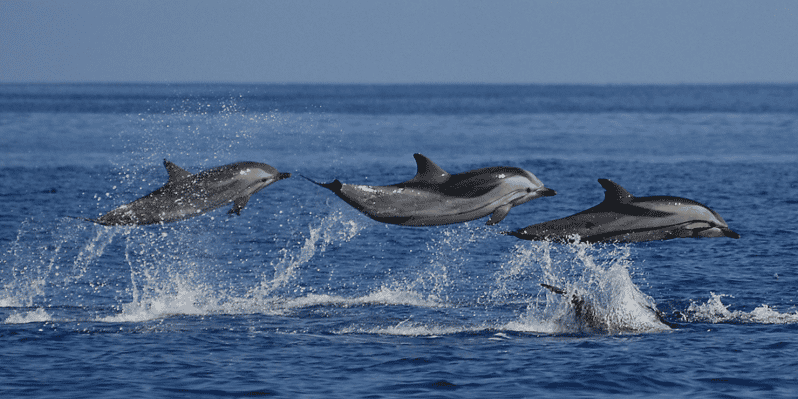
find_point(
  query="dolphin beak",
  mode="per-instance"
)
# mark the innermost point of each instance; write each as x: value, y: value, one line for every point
x: 729, y: 233
x: 282, y: 176
x: 547, y: 192
x: 715, y: 232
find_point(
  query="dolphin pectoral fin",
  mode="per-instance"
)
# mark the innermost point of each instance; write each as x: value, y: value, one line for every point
x: 499, y: 214
x: 238, y: 205
x: 175, y: 172
x: 729, y: 233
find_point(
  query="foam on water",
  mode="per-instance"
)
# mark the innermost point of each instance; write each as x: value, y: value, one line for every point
x: 382, y: 296
x: 714, y: 311
x: 38, y: 315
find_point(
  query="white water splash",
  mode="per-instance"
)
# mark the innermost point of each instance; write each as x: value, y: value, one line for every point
x: 408, y: 328
x: 382, y: 296
x: 184, y: 298
x: 600, y: 295
x: 166, y: 280
x: 714, y: 311
x: 35, y: 316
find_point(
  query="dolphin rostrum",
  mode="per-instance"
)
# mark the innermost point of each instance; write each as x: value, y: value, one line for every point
x: 435, y: 197
x: 186, y: 195
x: 622, y: 217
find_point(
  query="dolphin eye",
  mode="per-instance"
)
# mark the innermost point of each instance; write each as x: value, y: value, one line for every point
x: 529, y: 190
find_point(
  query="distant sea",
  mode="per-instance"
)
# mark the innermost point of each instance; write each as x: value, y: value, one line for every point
x: 303, y: 296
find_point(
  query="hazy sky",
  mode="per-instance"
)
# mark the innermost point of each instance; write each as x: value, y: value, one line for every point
x: 373, y: 41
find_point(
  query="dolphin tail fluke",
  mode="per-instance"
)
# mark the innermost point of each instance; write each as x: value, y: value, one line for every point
x: 553, y: 289
x: 334, y: 186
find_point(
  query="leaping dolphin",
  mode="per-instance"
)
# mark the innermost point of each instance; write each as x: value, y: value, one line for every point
x: 186, y: 195
x: 435, y: 197
x: 622, y: 217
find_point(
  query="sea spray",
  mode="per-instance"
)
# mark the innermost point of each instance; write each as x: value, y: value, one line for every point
x: 438, y: 275
x: 332, y: 228
x: 46, y: 258
x: 93, y: 249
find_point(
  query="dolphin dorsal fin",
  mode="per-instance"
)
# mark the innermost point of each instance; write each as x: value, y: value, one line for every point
x: 428, y: 171
x: 615, y: 193
x: 175, y: 172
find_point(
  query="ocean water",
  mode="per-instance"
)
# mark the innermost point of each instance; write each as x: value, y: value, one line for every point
x: 303, y: 296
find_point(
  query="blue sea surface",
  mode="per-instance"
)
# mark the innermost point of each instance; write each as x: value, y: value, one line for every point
x: 303, y: 296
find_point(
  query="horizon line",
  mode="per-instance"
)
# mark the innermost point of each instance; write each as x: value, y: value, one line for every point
x: 427, y: 83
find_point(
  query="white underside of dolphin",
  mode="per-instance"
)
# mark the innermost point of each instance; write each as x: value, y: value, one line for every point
x: 186, y: 195
x: 435, y: 197
x: 622, y: 217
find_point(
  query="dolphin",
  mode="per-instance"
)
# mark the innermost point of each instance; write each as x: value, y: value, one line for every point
x: 586, y: 313
x: 186, y: 195
x: 435, y: 197
x: 622, y: 217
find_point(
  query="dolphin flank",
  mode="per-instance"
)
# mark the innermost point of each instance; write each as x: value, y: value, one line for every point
x: 435, y: 197
x: 186, y: 195
x: 622, y: 217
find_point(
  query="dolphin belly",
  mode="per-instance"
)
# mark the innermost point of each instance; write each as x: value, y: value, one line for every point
x: 414, y: 207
